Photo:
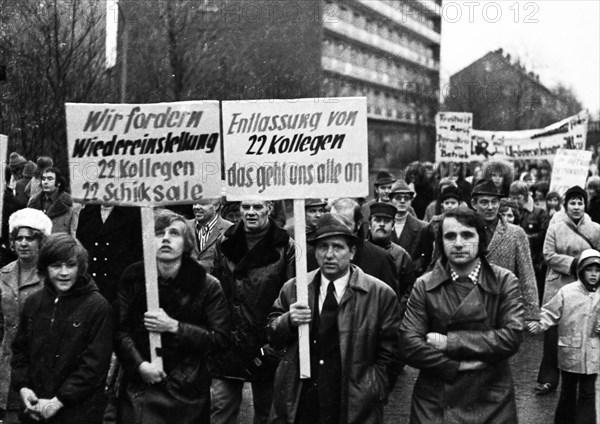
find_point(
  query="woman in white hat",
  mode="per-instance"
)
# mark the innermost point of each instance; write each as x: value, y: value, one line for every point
x: 28, y: 228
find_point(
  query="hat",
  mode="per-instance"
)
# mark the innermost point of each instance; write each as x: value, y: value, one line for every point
x: 485, y: 188
x: 332, y: 224
x: 400, y: 186
x: 29, y: 169
x: 32, y: 218
x: 44, y: 162
x: 16, y: 160
x: 384, y: 177
x: 588, y: 257
x: 450, y: 192
x: 576, y: 191
x: 553, y: 194
x: 309, y: 203
x: 509, y: 203
x: 383, y: 209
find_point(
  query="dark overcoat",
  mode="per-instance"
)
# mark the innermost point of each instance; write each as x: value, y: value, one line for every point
x: 193, y: 298
x: 112, y: 245
x: 63, y: 348
x: 486, y: 326
x: 251, y: 280
x: 368, y: 322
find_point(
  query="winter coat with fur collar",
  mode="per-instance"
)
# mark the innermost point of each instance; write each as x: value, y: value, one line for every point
x: 251, y: 280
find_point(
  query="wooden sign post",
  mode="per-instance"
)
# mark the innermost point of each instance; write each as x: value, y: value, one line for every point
x: 145, y: 155
x: 296, y: 149
x: 151, y: 275
x: 302, y: 285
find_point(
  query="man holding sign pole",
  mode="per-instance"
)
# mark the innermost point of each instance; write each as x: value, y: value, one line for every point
x: 354, y: 324
x: 192, y: 320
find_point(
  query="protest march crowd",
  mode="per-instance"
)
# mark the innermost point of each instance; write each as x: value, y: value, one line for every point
x: 445, y: 270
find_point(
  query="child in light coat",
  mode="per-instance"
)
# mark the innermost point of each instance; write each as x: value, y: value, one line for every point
x: 575, y: 310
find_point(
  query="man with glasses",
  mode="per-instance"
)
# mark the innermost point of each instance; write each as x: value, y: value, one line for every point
x: 208, y: 226
x: 254, y: 258
x: 508, y: 246
x: 410, y: 233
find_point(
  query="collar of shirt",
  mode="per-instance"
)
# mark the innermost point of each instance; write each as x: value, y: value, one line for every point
x: 340, y: 285
x: 528, y: 206
x: 208, y: 226
x: 51, y: 198
x: 473, y: 275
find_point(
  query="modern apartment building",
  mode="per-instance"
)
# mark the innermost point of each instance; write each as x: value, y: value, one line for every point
x: 386, y: 50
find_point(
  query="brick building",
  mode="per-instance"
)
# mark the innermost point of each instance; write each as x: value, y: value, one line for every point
x: 503, y: 95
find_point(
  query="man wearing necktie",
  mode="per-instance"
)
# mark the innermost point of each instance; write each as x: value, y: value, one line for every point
x: 354, y: 324
x: 208, y: 226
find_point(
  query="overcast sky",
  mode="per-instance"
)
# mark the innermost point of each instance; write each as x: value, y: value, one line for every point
x: 558, y: 39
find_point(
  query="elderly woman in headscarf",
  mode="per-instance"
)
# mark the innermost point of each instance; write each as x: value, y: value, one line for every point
x: 28, y: 228
x: 501, y: 173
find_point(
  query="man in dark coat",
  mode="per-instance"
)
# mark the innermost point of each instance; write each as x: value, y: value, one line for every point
x: 410, y: 233
x: 208, y: 226
x: 112, y: 235
x: 192, y: 321
x: 372, y: 259
x: 253, y: 260
x: 463, y: 322
x: 381, y: 224
x: 535, y: 223
x: 354, y: 338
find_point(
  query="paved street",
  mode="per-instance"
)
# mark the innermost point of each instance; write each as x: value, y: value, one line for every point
x: 531, y: 409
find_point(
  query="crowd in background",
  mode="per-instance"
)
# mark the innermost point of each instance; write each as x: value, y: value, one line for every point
x: 75, y: 326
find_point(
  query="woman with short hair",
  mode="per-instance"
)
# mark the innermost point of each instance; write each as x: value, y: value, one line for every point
x: 61, y: 354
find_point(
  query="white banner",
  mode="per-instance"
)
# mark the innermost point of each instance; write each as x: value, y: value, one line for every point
x: 144, y: 154
x: 543, y: 143
x: 570, y: 168
x: 295, y: 149
x: 453, y: 136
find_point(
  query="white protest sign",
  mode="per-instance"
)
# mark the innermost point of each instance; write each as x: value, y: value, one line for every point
x: 144, y: 154
x: 295, y: 149
x: 453, y: 136
x: 543, y: 143
x: 570, y: 168
x: 3, y: 161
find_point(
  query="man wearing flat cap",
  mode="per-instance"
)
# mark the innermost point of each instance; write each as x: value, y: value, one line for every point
x: 381, y: 228
x: 508, y: 245
x: 410, y: 233
x: 313, y: 209
x: 381, y: 190
x: 354, y: 326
